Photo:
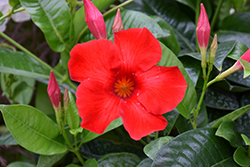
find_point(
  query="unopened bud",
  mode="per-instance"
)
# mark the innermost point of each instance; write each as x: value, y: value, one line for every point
x: 212, y: 52
x: 118, y: 25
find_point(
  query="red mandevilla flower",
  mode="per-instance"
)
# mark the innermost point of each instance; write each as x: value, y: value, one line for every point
x: 94, y: 20
x: 203, y: 28
x: 54, y: 91
x: 121, y: 79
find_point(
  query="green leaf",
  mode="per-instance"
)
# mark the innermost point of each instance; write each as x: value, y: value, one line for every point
x: 199, y: 147
x: 20, y: 164
x: 171, y: 117
x: 88, y: 135
x: 19, y: 63
x: 147, y: 162
x: 170, y: 40
x: 90, y: 163
x: 100, y: 147
x: 49, y: 160
x: 228, y: 131
x: 243, y: 124
x: 32, y: 129
x: 53, y: 18
x: 2, y: 21
x: 246, y: 66
x: 232, y: 116
x: 154, y: 146
x: 241, y: 157
x: 73, y: 118
x: 189, y: 3
x: 7, y: 139
x: 226, y: 35
x: 215, y: 98
x: 226, y: 162
x: 181, y: 23
x: 190, y: 98
x: 222, y: 52
x: 121, y: 159
x: 246, y: 139
x: 14, y: 3
x: 239, y: 49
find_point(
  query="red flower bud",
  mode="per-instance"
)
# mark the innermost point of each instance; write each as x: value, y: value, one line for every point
x: 94, y: 20
x: 117, y: 26
x: 54, y: 91
x: 203, y: 28
x: 245, y: 56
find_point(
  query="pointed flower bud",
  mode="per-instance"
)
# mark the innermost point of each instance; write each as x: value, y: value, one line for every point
x: 94, y: 20
x: 203, y: 28
x: 54, y: 91
x: 212, y: 52
x: 117, y: 26
x: 236, y: 67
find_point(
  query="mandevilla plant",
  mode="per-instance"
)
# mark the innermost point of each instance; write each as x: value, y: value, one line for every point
x: 125, y: 83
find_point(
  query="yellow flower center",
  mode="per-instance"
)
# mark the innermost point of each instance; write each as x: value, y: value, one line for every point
x: 124, y: 87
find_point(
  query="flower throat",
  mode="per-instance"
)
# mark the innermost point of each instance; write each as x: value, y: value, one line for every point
x: 123, y: 87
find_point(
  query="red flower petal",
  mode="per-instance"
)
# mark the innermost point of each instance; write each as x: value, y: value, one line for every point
x: 97, y: 106
x: 138, y: 121
x: 93, y: 59
x: 140, y: 50
x: 161, y: 89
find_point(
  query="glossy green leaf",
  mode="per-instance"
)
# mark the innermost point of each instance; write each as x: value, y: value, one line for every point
x: 226, y: 163
x: 42, y: 101
x: 38, y: 134
x: 189, y: 3
x: 171, y: 117
x: 228, y: 131
x: 225, y: 35
x: 88, y: 135
x: 100, y: 147
x: 241, y: 157
x: 154, y: 146
x: 14, y: 3
x: 232, y: 116
x: 199, y: 147
x: 246, y: 139
x: 243, y: 124
x: 239, y: 49
x: 19, y: 63
x: 246, y: 66
x: 221, y: 100
x: 90, y: 163
x: 182, y: 25
x: 170, y: 40
x: 7, y: 139
x: 223, y: 50
x: 53, y: 18
x: 147, y: 162
x: 2, y: 21
x: 73, y: 165
x: 73, y: 117
x: 190, y: 98
x: 193, y: 68
x: 20, y: 164
x: 49, y: 160
x: 123, y: 159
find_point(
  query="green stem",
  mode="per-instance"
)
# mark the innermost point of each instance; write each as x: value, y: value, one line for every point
x: 79, y: 157
x: 196, y: 112
x: 143, y: 142
x: 216, y: 15
x: 64, y: 79
x: 117, y: 7
x: 12, y: 12
x: 156, y: 135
